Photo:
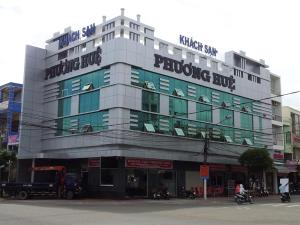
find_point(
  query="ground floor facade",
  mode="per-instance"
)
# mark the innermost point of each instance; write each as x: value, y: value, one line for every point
x: 123, y: 177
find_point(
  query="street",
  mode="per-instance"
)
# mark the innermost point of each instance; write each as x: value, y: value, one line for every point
x: 218, y: 211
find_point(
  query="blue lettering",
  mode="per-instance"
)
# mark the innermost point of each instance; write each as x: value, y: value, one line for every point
x: 89, y: 30
x: 181, y: 39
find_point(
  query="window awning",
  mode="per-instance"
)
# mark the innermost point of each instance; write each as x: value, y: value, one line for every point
x: 87, y: 128
x: 88, y: 87
x: 228, y: 139
x: 149, y: 127
x: 149, y: 85
x: 204, y: 99
x: 178, y: 92
x: 246, y: 109
x: 225, y: 104
x: 179, y: 132
x: 203, y: 134
x: 247, y: 141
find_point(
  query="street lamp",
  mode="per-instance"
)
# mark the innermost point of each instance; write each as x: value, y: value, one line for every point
x: 205, y: 153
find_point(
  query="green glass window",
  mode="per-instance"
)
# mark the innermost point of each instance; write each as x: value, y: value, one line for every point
x: 204, y: 112
x: 91, y: 80
x: 148, y: 118
x: 226, y: 99
x: 182, y: 124
x: 178, y: 107
x: 178, y: 87
x: 150, y: 101
x: 246, y: 121
x: 204, y: 94
x: 64, y: 107
x: 89, y: 101
x: 226, y: 117
x: 65, y: 88
x: 92, y: 122
x: 288, y: 137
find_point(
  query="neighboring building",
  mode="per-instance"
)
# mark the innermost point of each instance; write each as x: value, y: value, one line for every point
x: 291, y: 118
x: 130, y: 111
x: 10, y: 109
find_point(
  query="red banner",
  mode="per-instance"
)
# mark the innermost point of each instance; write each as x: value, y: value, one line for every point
x: 217, y: 167
x: 278, y: 156
x: 94, y: 162
x: 148, y: 163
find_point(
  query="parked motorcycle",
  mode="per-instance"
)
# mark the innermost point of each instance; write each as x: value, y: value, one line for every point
x: 191, y: 194
x: 243, y: 198
x: 285, y: 197
x: 161, y: 194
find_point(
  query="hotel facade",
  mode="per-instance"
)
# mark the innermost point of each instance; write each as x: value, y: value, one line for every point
x: 130, y: 112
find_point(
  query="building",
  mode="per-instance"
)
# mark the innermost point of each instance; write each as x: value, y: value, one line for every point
x: 291, y: 118
x: 277, y: 129
x: 130, y: 111
x: 10, y: 109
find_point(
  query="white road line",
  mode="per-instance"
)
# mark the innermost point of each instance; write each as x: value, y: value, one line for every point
x: 277, y: 205
x: 290, y: 206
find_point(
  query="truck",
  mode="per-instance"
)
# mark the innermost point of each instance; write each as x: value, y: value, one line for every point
x: 54, y: 181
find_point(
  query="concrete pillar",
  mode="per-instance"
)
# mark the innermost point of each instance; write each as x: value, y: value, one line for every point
x: 32, y: 171
x: 264, y: 180
x: 275, y: 182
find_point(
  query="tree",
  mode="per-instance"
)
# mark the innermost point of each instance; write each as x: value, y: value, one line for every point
x: 256, y: 159
x: 7, y: 162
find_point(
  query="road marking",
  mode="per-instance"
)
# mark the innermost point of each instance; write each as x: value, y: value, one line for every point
x: 277, y: 205
x: 290, y: 206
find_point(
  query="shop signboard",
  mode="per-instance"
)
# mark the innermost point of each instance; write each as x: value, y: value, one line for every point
x: 13, y: 139
x: 204, y: 171
x: 148, y: 163
x: 94, y: 162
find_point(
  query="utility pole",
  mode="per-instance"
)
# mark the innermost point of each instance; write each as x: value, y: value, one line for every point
x: 205, y: 153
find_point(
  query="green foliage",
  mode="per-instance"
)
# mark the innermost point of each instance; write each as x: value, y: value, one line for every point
x: 256, y: 159
x: 5, y: 156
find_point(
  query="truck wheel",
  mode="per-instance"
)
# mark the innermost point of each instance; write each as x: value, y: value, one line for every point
x: 22, y: 195
x: 69, y: 195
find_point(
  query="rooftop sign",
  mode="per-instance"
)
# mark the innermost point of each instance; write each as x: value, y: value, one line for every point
x: 189, y: 42
x: 71, y: 36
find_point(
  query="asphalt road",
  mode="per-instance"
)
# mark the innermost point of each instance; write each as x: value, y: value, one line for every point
x: 219, y: 211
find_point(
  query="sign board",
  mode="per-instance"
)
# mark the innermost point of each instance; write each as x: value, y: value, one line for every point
x: 197, y: 45
x: 94, y: 162
x: 284, y: 185
x: 148, y: 163
x: 278, y: 156
x: 204, y: 171
x: 13, y: 139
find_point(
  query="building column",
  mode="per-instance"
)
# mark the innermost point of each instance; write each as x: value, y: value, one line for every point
x: 32, y: 171
x: 265, y: 180
x: 275, y: 182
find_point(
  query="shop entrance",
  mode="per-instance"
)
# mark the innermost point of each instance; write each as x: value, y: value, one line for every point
x: 136, y: 182
x: 162, y: 180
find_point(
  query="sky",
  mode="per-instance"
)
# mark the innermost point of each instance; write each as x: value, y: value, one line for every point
x: 264, y: 29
